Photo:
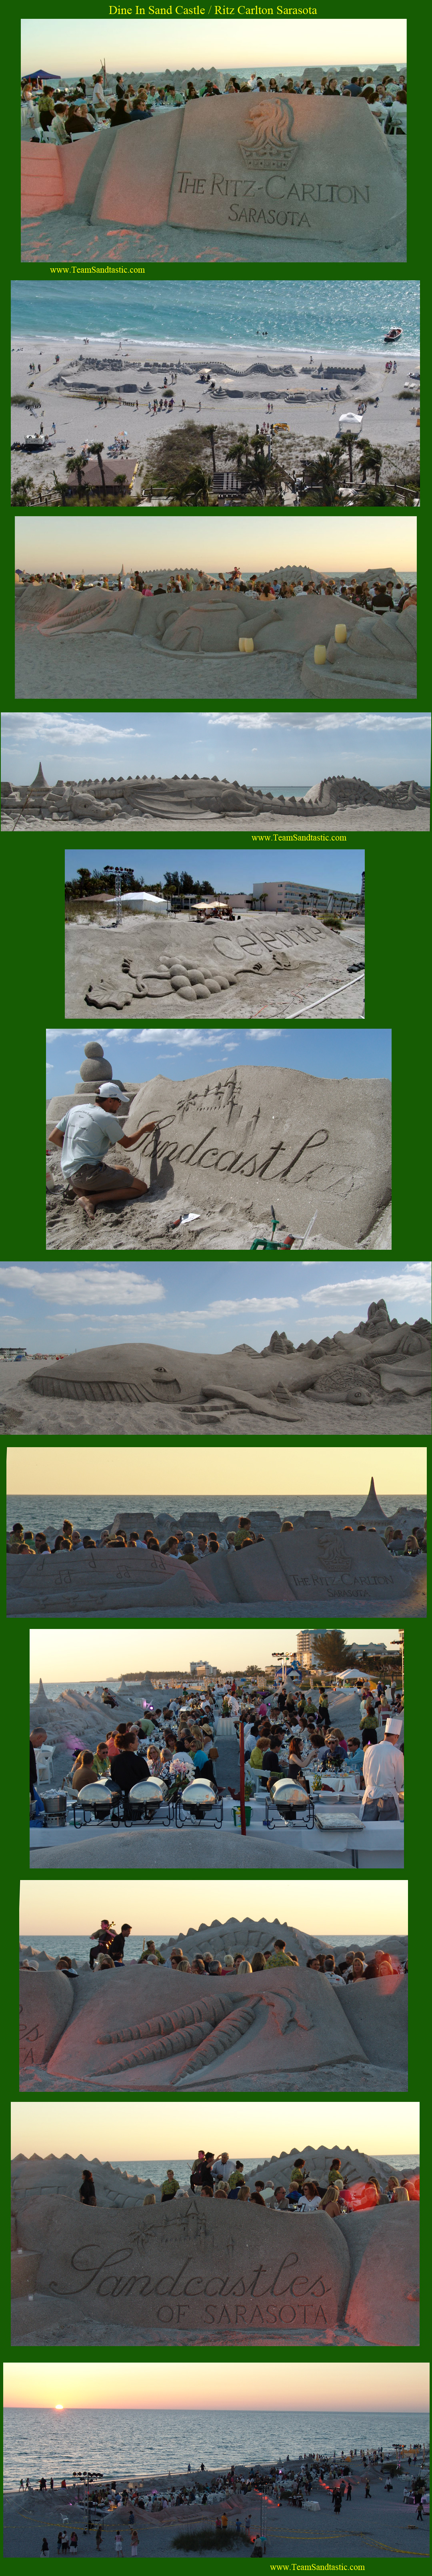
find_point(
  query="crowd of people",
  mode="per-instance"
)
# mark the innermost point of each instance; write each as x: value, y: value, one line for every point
x: 223, y: 2177
x: 379, y: 597
x: 317, y: 2472
x: 285, y: 1735
x: 57, y: 112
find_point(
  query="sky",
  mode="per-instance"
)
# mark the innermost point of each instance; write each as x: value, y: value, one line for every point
x: 91, y: 545
x: 229, y: 871
x: 338, y: 1911
x: 86, y: 1652
x: 138, y: 1055
x: 119, y: 2132
x: 247, y: 2382
x: 187, y: 1306
x: 89, y: 1470
x: 265, y: 750
x: 69, y: 45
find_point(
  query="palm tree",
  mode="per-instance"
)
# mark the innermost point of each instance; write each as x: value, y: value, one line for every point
x: 211, y: 434
x: 195, y: 489
x: 346, y: 441
x: 370, y: 461
x: 23, y: 492
x: 75, y: 466
x: 96, y: 450
x: 322, y: 469
x: 261, y: 474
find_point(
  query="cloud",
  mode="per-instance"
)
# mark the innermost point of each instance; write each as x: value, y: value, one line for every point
x: 409, y: 1283
x: 177, y: 1038
x: 245, y: 724
x: 75, y: 730
x: 99, y: 1286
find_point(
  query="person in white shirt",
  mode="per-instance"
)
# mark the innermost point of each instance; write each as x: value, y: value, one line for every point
x: 383, y: 1773
x: 223, y: 2167
x: 85, y: 1134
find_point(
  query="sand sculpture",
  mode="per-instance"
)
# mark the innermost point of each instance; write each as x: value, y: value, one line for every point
x: 382, y: 1366
x: 333, y: 1568
x: 144, y: 2029
x: 170, y: 964
x: 194, y: 801
x: 95, y: 1069
x: 238, y: 1136
x: 378, y: 656
x: 287, y: 172
x: 206, y: 2270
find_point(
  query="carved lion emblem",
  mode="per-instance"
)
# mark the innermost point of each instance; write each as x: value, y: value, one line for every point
x: 269, y: 135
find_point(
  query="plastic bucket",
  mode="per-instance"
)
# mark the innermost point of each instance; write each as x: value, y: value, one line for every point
x: 237, y: 1816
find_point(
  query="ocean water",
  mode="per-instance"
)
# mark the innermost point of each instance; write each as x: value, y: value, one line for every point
x: 121, y: 2442
x: 94, y: 1512
x: 342, y: 317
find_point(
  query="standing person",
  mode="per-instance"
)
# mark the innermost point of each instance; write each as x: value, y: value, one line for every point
x: 117, y: 1942
x: 134, y: 2543
x: 87, y: 2192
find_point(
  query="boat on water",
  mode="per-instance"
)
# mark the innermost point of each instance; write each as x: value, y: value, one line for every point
x: 395, y: 332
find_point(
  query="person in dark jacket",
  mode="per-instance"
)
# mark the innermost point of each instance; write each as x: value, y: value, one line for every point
x: 87, y: 2190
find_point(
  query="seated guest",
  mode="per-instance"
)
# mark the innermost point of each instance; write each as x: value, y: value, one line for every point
x: 85, y: 1772
x: 141, y: 108
x: 127, y: 1764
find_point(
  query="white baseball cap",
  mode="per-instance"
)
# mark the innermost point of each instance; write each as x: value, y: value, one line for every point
x: 111, y: 1091
x: 393, y: 1725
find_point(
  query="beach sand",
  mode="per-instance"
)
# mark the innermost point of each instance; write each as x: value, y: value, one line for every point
x: 380, y: 2523
x: 93, y: 667
x: 349, y: 819
x: 260, y: 376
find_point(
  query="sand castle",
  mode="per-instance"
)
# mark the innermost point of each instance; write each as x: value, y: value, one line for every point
x: 312, y: 651
x: 144, y: 2030
x: 206, y: 2272
x: 237, y: 1137
x: 382, y: 1366
x: 163, y: 966
x: 331, y: 1567
x: 315, y: 174
x: 193, y: 802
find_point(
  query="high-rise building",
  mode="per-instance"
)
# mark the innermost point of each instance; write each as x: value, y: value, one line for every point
x: 308, y: 1644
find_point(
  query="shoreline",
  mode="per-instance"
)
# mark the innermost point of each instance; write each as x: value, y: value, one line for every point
x: 282, y: 351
